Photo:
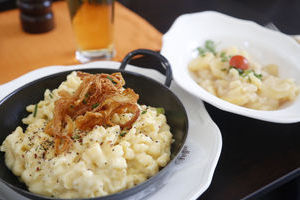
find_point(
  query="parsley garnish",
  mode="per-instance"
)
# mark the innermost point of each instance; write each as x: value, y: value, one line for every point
x: 244, y: 73
x: 144, y: 112
x: 95, y: 105
x: 209, y: 46
x: 249, y: 79
x: 222, y: 54
x: 123, y: 134
x: 86, y: 96
x: 238, y: 69
x: 247, y: 72
x: 259, y: 76
x: 75, y: 137
x: 224, y: 58
x: 35, y: 110
x: 201, y: 51
x: 160, y: 110
x: 111, y: 80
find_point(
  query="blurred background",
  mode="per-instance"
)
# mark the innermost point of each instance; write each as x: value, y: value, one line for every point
x: 285, y: 14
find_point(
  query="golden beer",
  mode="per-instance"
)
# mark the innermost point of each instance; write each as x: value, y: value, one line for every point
x: 92, y: 22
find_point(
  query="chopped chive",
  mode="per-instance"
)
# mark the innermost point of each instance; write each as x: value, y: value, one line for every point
x: 35, y: 110
x: 144, y: 112
x: 50, y: 95
x: 95, y: 105
x: 111, y: 80
x: 224, y: 69
x: 87, y: 95
x: 160, y: 110
x: 123, y: 134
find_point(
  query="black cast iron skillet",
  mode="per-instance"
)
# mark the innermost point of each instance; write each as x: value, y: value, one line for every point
x: 151, y: 92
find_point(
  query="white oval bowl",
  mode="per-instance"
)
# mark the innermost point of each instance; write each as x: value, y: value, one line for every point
x: 266, y: 46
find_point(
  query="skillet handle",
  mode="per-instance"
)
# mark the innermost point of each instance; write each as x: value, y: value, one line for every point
x: 164, y: 67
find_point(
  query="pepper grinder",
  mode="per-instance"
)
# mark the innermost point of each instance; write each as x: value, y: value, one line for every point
x: 36, y: 15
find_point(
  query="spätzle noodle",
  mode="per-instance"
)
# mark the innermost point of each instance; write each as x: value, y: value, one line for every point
x: 258, y: 87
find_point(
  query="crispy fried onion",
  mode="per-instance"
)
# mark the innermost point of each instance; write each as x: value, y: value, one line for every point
x: 97, y: 99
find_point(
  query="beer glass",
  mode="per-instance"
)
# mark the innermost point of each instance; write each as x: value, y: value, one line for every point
x: 93, y: 26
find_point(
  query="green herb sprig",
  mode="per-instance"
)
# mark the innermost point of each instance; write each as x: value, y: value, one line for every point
x: 209, y: 46
x: 224, y: 58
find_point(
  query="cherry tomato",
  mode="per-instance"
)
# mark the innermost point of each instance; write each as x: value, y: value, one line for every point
x: 239, y: 62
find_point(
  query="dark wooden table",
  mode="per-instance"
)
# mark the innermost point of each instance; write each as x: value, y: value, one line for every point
x: 259, y: 160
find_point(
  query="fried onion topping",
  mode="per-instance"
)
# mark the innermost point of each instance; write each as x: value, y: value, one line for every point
x: 95, y: 102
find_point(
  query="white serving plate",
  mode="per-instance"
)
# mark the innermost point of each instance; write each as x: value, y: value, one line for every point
x: 266, y: 46
x: 193, y: 173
